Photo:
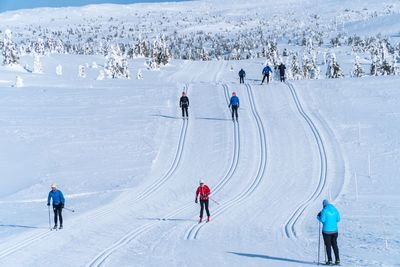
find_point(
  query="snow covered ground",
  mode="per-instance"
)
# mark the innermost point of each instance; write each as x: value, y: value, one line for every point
x: 129, y: 165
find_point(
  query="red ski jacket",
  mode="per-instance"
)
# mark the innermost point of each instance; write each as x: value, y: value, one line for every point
x: 204, y: 192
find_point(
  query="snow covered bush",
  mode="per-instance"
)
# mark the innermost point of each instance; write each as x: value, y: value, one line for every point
x: 59, y: 71
x: 139, y: 75
x: 19, y: 82
x: 81, y: 71
x: 37, y: 65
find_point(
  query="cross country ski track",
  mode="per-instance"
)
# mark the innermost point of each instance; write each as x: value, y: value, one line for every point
x: 104, y: 211
x: 194, y: 231
x: 101, y: 257
x: 294, y: 217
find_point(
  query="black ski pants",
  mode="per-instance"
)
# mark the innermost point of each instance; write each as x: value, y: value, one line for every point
x: 204, y: 204
x: 265, y: 76
x: 58, y: 213
x: 234, y: 111
x: 185, y: 110
x: 330, y: 241
x: 241, y: 79
x: 282, y: 77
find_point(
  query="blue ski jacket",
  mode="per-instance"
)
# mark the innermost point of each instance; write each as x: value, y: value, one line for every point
x: 234, y: 101
x: 329, y: 216
x: 57, y: 197
x: 266, y: 70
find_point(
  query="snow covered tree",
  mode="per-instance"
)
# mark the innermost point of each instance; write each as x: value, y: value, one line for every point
x: 37, y: 65
x: 101, y: 75
x: 357, y: 68
x: 296, y: 72
x: 333, y: 70
x: 375, y: 65
x: 10, y: 51
x: 39, y: 47
x: 117, y: 65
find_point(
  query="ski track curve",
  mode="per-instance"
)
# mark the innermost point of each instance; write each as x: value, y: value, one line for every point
x: 194, y: 231
x: 141, y: 196
x: 22, y: 244
x: 290, y: 224
x: 100, y: 259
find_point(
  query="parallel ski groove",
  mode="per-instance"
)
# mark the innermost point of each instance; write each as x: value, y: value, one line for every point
x: 194, y: 232
x: 100, y: 259
x: 294, y: 217
x: 24, y: 243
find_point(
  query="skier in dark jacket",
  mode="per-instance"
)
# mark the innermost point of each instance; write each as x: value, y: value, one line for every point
x: 184, y: 104
x: 58, y: 204
x: 282, y: 68
x: 242, y: 74
x: 329, y: 217
x: 234, y: 104
x: 266, y: 71
x: 203, y: 192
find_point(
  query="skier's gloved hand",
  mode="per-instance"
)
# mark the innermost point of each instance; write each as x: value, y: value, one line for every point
x: 48, y: 204
x: 62, y: 205
x: 195, y: 201
x: 319, y: 214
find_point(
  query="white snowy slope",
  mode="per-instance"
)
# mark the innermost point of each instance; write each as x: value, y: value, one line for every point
x: 129, y: 165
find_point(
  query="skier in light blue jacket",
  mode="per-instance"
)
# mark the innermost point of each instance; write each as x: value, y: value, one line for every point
x: 329, y: 217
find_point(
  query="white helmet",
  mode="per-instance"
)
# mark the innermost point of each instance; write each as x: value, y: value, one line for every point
x: 201, y: 181
x: 53, y: 185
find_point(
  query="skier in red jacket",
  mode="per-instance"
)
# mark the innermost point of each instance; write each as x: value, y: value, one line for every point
x: 204, y: 191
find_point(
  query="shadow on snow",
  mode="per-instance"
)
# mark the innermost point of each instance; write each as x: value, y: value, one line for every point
x: 271, y: 258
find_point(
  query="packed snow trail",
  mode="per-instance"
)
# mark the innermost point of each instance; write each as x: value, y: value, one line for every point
x: 194, y: 231
x: 100, y: 259
x: 290, y: 225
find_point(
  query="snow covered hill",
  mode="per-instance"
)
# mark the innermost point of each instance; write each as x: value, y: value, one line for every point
x: 128, y: 164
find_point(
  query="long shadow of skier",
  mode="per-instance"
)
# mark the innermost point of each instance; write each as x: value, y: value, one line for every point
x: 169, y: 219
x: 21, y: 226
x: 166, y: 116
x: 271, y: 258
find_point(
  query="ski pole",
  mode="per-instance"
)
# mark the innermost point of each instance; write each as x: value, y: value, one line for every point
x: 49, y: 217
x: 319, y: 239
x: 214, y: 201
x: 72, y: 210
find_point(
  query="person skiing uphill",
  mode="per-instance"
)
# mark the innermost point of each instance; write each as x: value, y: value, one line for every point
x: 58, y: 204
x: 266, y: 71
x: 329, y: 217
x: 242, y: 74
x: 282, y: 68
x: 204, y: 192
x: 184, y: 104
x: 234, y: 104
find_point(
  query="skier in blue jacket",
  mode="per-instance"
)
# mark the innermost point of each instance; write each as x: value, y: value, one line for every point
x: 234, y: 104
x: 266, y: 71
x: 329, y: 217
x: 58, y: 204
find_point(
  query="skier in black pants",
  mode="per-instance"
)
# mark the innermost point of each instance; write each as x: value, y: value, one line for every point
x: 58, y: 204
x: 282, y: 68
x: 234, y: 103
x: 329, y: 217
x: 266, y: 71
x: 242, y: 74
x: 184, y: 104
